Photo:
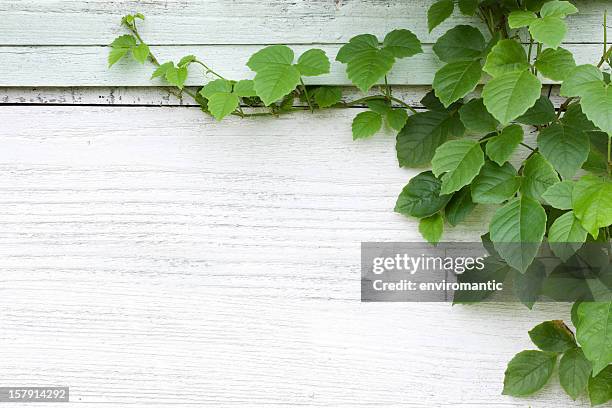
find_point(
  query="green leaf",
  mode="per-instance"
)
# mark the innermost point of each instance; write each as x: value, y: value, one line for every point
x: 276, y: 81
x: 495, y: 184
x: 128, y: 20
x: 468, y: 7
x: 402, y: 43
x: 582, y: 80
x: 527, y: 286
x: 313, y: 62
x: 422, y: 134
x: 245, y: 88
x: 508, y: 96
x: 366, y: 62
x: 549, y: 31
x: 555, y: 64
x: 592, y: 203
x: 600, y: 387
x: 431, y: 102
x: 438, y: 12
x: 517, y: 229
x: 597, y: 163
x: 501, y: 147
x: 459, y: 161
x: 421, y: 196
x: 275, y: 75
x: 216, y: 86
x: 542, y: 113
x: 539, y: 175
x: 459, y: 206
x: 120, y: 47
x: 366, y: 124
x: 574, y: 372
x: 566, y: 148
x: 222, y: 104
x: 271, y: 55
x: 520, y: 18
x: 369, y: 67
x: 574, y: 117
x: 506, y: 56
x: 176, y: 76
x: 597, y: 106
x: 140, y: 53
x: 326, y: 96
x: 475, y: 117
x: 357, y: 44
x: 380, y: 106
x: 574, y: 313
x: 594, y: 333
x: 558, y: 9
x: 553, y: 336
x: 461, y: 43
x: 124, y: 41
x: 115, y: 54
x: 186, y: 60
x: 566, y: 236
x: 559, y: 195
x: 396, y: 118
x: 162, y: 69
x: 431, y: 228
x: 456, y: 79
x: 528, y: 371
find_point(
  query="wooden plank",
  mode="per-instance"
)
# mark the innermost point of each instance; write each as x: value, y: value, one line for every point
x: 162, y: 96
x: 155, y: 96
x: 153, y: 256
x: 86, y: 66
x: 175, y: 22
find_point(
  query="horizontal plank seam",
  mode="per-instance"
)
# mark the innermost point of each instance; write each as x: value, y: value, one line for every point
x: 192, y: 105
x: 235, y: 44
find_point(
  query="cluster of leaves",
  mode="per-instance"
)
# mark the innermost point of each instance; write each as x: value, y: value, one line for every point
x: 561, y: 192
x: 580, y: 366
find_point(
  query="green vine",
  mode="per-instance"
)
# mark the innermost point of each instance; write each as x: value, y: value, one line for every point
x: 560, y: 193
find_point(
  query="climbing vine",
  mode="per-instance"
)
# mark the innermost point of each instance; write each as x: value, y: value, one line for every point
x: 556, y: 189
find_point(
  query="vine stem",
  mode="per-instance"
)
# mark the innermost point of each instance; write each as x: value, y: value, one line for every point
x: 606, y: 51
x: 527, y: 146
x: 306, y: 94
x: 377, y: 97
x: 609, y: 156
x: 134, y: 31
x: 404, y: 104
x: 387, y: 88
x: 207, y: 68
x: 564, y: 105
x: 239, y: 112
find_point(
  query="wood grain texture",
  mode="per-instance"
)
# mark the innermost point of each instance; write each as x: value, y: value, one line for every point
x: 178, y: 22
x: 151, y: 256
x: 157, y: 96
x: 161, y: 96
x: 86, y: 66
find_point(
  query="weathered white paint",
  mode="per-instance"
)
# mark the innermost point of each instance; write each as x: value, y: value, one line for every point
x: 161, y: 96
x: 158, y: 96
x: 176, y: 22
x: 153, y: 256
x: 86, y: 66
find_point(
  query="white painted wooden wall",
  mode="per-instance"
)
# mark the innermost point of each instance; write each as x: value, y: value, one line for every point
x: 150, y: 256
